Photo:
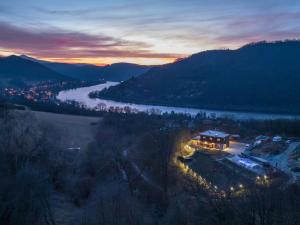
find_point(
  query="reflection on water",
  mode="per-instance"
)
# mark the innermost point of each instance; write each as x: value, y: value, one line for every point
x: 81, y: 95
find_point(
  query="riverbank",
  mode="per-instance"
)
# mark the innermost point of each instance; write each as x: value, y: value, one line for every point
x: 81, y: 95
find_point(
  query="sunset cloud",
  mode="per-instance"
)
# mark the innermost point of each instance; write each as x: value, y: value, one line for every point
x: 59, y: 43
x: 147, y: 31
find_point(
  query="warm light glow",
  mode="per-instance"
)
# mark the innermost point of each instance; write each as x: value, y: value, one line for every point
x: 106, y: 61
x: 201, y: 181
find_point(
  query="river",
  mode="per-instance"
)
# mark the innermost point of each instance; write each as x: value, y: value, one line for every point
x: 81, y: 95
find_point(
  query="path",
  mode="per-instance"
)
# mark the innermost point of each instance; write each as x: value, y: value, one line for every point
x: 139, y: 172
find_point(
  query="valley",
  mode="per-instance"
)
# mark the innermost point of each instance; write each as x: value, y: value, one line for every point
x: 160, y: 112
x: 91, y: 154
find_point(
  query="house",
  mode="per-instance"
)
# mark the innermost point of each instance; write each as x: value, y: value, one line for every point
x: 211, y: 139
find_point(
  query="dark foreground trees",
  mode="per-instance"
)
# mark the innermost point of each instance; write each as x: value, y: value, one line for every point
x: 261, y: 206
x: 27, y: 168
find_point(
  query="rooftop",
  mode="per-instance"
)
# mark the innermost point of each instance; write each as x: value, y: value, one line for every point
x: 214, y: 133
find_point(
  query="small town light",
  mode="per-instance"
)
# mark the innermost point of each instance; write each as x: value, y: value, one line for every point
x: 241, y: 186
x: 265, y: 176
x: 231, y: 188
x: 215, y: 187
x: 258, y: 177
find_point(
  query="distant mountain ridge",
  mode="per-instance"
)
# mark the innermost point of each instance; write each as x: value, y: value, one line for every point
x: 123, y: 71
x: 90, y: 72
x: 17, y: 71
x: 256, y: 77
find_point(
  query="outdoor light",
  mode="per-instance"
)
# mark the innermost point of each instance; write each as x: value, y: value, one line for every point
x: 258, y: 177
x: 241, y: 186
x: 266, y: 177
x: 231, y: 188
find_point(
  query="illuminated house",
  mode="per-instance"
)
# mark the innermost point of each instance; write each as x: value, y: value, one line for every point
x: 211, y: 139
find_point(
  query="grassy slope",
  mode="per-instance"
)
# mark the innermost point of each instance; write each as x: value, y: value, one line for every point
x: 77, y: 131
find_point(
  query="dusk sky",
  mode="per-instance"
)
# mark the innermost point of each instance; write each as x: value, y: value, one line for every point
x: 140, y: 31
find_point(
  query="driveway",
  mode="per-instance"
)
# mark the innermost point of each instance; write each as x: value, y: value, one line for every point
x: 236, y: 148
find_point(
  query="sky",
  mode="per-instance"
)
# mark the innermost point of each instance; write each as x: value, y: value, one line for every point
x: 140, y: 31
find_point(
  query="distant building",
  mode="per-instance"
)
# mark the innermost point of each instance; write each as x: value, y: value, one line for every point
x: 277, y: 139
x: 262, y: 138
x: 211, y: 139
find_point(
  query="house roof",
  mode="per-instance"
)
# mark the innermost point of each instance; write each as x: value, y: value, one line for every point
x: 214, y: 133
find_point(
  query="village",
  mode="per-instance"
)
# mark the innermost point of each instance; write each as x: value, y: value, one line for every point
x: 228, y: 163
x: 45, y: 91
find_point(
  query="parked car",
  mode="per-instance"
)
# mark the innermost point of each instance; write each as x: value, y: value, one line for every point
x: 277, y: 139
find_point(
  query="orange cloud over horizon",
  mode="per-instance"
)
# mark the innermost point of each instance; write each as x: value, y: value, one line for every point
x: 76, y: 47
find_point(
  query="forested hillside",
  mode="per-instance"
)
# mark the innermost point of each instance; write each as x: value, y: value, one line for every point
x: 256, y: 77
x: 16, y: 71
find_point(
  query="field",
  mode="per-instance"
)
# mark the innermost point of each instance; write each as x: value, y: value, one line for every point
x: 77, y: 131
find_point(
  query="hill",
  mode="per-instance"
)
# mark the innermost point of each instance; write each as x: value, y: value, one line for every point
x: 89, y: 72
x: 123, y: 71
x: 80, y: 72
x: 256, y: 77
x: 17, y: 71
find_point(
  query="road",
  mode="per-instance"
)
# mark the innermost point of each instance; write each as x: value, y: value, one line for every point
x: 281, y: 161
